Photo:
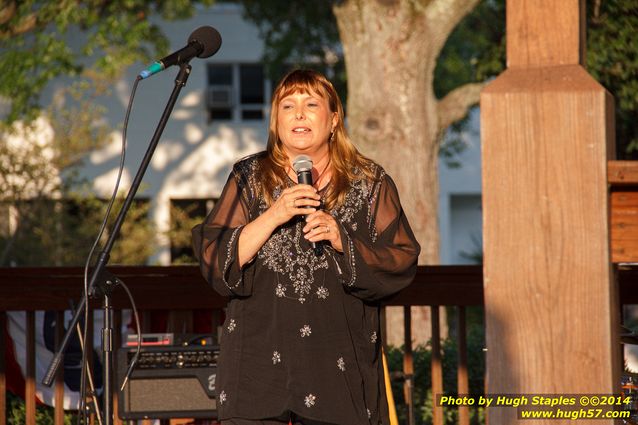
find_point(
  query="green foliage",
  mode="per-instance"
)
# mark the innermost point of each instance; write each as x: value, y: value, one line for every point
x: 299, y: 34
x: 50, y: 217
x: 61, y: 232
x: 612, y: 58
x: 295, y: 33
x: 476, y: 254
x: 475, y: 51
x: 44, y: 414
x: 136, y: 241
x: 39, y: 37
x: 422, y: 372
x: 183, y: 218
x: 75, y: 117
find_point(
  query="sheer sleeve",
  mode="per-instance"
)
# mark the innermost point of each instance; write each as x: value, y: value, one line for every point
x: 379, y: 259
x: 215, y: 241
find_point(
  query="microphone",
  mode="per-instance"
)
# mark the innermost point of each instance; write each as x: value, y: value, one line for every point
x: 302, y: 165
x: 203, y: 42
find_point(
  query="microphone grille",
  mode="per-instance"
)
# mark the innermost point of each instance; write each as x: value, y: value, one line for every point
x: 302, y: 163
x: 209, y: 38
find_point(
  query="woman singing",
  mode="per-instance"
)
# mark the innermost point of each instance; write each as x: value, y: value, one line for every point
x: 301, y: 340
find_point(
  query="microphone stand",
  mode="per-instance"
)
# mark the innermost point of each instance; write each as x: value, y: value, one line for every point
x: 92, y: 392
x: 102, y: 281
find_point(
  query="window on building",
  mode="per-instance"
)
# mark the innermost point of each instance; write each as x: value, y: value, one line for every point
x: 219, y: 96
x: 185, y: 214
x: 237, y: 92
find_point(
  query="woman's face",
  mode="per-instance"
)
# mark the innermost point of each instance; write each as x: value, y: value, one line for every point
x: 304, y: 123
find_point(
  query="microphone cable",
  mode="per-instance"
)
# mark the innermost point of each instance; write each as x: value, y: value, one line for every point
x: 82, y: 411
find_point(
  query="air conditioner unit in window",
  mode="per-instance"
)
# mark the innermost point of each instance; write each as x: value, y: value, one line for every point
x: 219, y: 97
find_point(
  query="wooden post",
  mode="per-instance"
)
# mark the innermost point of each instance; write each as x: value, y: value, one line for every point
x: 547, y: 133
x: 437, y: 367
x: 58, y: 412
x: 3, y: 369
x: 461, y: 374
x: 408, y: 364
x: 29, y: 379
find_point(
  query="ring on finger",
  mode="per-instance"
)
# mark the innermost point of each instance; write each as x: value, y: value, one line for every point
x: 327, y: 229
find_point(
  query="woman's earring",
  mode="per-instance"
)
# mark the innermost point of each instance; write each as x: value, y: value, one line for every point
x: 332, y: 136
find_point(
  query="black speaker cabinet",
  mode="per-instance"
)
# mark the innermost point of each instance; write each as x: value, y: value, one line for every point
x: 168, y: 382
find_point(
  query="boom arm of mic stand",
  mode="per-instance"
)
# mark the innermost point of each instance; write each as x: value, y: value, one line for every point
x: 98, y: 275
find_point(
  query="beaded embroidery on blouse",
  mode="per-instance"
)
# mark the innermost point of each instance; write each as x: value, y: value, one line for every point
x: 282, y: 253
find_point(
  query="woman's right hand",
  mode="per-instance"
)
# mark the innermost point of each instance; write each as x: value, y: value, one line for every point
x: 301, y: 199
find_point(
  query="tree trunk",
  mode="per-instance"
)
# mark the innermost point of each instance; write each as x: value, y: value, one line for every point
x: 390, y: 49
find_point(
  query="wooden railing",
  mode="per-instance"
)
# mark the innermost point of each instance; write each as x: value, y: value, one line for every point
x: 623, y: 179
x: 181, y: 288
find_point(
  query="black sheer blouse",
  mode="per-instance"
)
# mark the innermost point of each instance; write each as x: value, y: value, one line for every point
x: 302, y: 330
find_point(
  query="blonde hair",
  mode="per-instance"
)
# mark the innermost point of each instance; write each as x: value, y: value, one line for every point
x: 345, y: 159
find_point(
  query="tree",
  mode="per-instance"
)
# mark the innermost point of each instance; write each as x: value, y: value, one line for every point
x: 412, y: 72
x: 34, y: 35
x: 425, y: 70
x: 392, y: 47
x: 53, y: 216
x: 476, y: 52
x: 612, y: 59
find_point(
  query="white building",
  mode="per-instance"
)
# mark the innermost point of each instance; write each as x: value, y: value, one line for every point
x: 221, y: 116
x: 460, y: 200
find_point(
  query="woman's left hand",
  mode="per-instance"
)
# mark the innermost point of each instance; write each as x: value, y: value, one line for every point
x: 321, y: 226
